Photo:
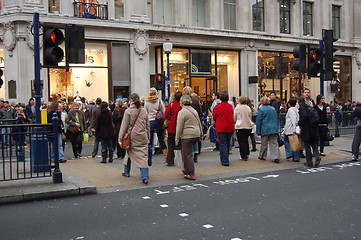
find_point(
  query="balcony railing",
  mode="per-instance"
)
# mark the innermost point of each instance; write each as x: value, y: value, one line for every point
x: 90, y: 10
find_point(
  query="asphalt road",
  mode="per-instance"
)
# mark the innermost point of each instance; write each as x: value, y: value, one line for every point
x: 295, y: 204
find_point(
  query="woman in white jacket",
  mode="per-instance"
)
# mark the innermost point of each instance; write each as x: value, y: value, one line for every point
x: 292, y: 118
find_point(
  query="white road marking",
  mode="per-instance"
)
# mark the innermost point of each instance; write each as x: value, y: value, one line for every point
x: 271, y: 176
x: 146, y: 197
x: 208, y: 226
x: 183, y: 215
x: 236, y: 239
x: 164, y: 206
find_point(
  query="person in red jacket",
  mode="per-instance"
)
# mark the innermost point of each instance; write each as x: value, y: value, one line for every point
x: 172, y: 111
x: 223, y: 116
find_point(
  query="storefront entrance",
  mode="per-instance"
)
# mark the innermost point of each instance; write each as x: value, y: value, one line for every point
x: 204, y: 87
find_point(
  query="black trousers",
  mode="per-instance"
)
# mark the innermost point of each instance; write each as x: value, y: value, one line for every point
x: 242, y: 138
x: 77, y: 142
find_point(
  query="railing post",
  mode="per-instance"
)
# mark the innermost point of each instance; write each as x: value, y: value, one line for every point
x: 57, y: 174
x: 21, y: 140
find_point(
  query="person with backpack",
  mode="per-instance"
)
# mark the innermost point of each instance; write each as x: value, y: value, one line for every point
x: 308, y: 122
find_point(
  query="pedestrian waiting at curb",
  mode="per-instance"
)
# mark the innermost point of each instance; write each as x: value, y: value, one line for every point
x: 309, y: 133
x: 223, y: 115
x: 267, y: 127
x: 105, y: 132
x: 357, y: 136
x: 188, y: 133
x: 137, y: 154
x: 291, y: 123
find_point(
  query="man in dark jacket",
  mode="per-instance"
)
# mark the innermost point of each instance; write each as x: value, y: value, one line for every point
x: 30, y: 110
x: 309, y: 133
x: 357, y: 137
x: 95, y: 115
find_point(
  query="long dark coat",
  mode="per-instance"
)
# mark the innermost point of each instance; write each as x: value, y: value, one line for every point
x: 309, y: 132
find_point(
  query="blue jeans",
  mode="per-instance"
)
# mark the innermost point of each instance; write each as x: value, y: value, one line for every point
x: 96, y: 146
x: 60, y: 147
x: 144, y: 172
x: 224, y: 146
x: 107, y: 145
x: 296, y: 155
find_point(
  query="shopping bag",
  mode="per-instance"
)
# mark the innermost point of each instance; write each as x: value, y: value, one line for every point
x: 150, y: 152
x: 86, y: 137
x: 295, y: 142
x: 178, y: 157
x: 213, y: 135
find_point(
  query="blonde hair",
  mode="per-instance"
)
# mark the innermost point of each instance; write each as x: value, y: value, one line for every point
x: 264, y: 101
x: 119, y: 102
x: 187, y: 90
x: 152, y: 94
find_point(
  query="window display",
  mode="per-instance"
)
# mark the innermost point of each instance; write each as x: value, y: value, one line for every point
x: 89, y: 80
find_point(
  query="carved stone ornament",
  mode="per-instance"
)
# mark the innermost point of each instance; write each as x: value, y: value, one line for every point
x: 30, y: 36
x: 357, y: 56
x: 9, y: 37
x: 141, y: 43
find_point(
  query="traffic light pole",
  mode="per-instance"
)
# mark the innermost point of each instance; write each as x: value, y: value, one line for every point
x: 322, y: 73
x: 37, y: 68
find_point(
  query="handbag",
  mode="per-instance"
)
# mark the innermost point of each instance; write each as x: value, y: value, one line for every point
x: 126, y: 138
x: 86, y: 137
x: 298, y: 130
x: 166, y: 121
x: 295, y: 142
x: 75, y: 129
x: 329, y: 136
x: 160, y: 115
x: 213, y: 135
x: 280, y: 141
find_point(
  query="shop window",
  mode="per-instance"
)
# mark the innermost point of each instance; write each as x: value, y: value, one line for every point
x: 89, y: 80
x: 307, y: 19
x: 230, y: 14
x: 343, y: 70
x: 285, y: 16
x: 258, y: 15
x: 119, y: 8
x: 178, y: 65
x: 228, y: 72
x: 199, y: 13
x: 165, y: 11
x: 54, y: 6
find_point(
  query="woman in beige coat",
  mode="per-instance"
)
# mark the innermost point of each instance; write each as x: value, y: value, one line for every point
x: 139, y: 138
x: 189, y: 132
x: 244, y: 125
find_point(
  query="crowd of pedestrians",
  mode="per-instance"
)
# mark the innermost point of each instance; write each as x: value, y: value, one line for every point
x: 183, y: 122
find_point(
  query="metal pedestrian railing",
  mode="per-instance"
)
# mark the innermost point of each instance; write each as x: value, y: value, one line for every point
x: 339, y: 123
x: 27, y: 150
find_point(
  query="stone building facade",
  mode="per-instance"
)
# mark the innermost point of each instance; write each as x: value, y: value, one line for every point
x: 241, y: 46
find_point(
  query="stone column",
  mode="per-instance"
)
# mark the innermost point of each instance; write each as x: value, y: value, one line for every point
x: 139, y: 58
x: 249, y: 67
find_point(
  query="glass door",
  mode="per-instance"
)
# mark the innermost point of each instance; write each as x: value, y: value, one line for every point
x: 204, y: 87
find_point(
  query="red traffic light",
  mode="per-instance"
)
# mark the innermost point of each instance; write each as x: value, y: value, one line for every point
x: 159, y: 78
x: 316, y: 54
x: 54, y: 36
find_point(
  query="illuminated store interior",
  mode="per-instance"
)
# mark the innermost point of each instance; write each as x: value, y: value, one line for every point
x: 89, y: 80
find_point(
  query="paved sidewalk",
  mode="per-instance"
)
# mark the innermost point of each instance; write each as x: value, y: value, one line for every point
x: 88, y: 175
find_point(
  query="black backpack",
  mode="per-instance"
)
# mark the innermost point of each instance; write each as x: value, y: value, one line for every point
x: 313, y: 116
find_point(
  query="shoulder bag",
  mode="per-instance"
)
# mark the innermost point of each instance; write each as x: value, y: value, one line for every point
x: 126, y: 138
x: 160, y: 115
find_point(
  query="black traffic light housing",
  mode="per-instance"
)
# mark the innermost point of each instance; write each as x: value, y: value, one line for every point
x: 1, y: 79
x: 314, y: 62
x: 159, y: 81
x: 329, y: 50
x: 75, y: 44
x: 300, y: 53
x: 52, y: 53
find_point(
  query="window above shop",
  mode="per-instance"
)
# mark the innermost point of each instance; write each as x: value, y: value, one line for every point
x: 307, y: 19
x: 285, y: 16
x: 164, y: 12
x: 199, y: 13
x: 258, y: 15
x: 230, y: 14
x: 90, y: 9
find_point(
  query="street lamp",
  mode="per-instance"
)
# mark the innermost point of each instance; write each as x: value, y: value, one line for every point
x: 167, y: 47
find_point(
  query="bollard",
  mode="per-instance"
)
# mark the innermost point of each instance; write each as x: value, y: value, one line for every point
x: 57, y: 174
x: 21, y: 140
x: 39, y: 151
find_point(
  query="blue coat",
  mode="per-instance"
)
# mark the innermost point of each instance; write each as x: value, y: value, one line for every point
x: 267, y: 121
